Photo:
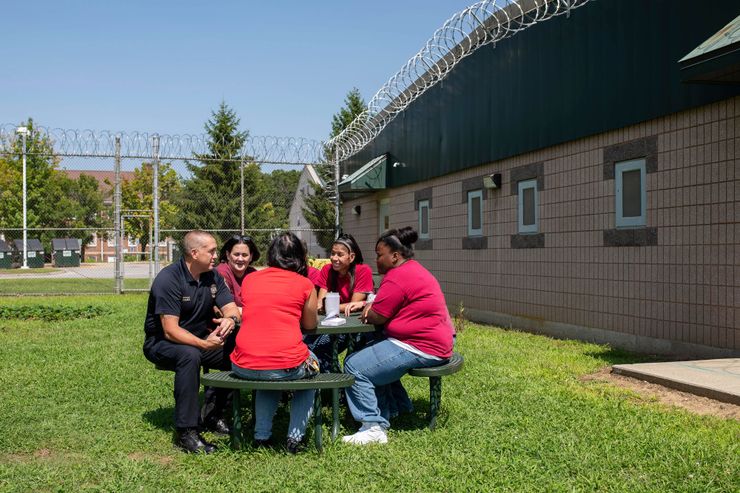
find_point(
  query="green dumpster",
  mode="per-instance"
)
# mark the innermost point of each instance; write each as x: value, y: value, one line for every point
x: 66, y: 252
x: 6, y: 255
x: 35, y: 252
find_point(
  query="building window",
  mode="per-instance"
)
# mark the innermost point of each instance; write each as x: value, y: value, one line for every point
x: 424, y: 219
x: 528, y: 206
x: 133, y: 242
x: 475, y: 213
x: 384, y: 215
x: 630, y: 193
x: 112, y: 241
x: 93, y: 241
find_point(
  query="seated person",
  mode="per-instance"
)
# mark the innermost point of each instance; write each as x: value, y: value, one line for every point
x: 278, y: 302
x: 417, y: 327
x: 179, y: 335
x: 353, y: 280
x: 235, y: 261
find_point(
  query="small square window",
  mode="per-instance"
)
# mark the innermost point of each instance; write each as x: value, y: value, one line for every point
x: 424, y: 219
x: 133, y: 242
x: 630, y: 193
x: 475, y: 213
x: 112, y: 241
x: 93, y: 240
x: 528, y: 206
x: 384, y: 215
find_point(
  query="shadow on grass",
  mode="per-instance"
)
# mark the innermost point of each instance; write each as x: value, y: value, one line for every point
x: 161, y: 418
x: 613, y: 356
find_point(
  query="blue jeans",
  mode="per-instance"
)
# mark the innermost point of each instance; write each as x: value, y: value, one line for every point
x: 375, y: 366
x: 266, y: 402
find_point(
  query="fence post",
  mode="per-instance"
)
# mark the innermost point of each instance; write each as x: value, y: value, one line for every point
x: 155, y: 204
x: 241, y: 210
x: 336, y: 191
x: 117, y: 216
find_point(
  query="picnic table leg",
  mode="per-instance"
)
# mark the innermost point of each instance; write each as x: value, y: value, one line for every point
x: 236, y: 425
x: 317, y: 418
x: 334, y: 413
x: 334, y: 353
x: 435, y: 399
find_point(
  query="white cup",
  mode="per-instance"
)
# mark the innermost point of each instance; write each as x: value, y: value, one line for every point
x: 331, y: 304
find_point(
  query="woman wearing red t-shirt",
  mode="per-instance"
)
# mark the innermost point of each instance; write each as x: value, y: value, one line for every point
x: 236, y: 259
x: 417, y: 326
x: 278, y: 302
x: 353, y: 280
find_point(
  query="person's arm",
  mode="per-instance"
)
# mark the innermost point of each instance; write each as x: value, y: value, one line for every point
x: 226, y: 324
x: 356, y: 303
x: 309, y: 319
x: 355, y: 297
x: 370, y: 317
x: 174, y: 333
x: 320, y: 300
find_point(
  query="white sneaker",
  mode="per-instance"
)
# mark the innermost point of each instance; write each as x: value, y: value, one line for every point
x: 367, y: 434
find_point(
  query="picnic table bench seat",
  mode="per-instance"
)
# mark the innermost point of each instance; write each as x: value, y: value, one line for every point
x: 226, y: 379
x: 435, y: 374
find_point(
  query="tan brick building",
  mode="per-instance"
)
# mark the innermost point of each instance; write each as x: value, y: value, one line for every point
x: 614, y: 221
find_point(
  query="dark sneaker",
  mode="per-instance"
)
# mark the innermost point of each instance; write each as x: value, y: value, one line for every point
x: 189, y: 440
x: 219, y: 426
x: 295, y: 446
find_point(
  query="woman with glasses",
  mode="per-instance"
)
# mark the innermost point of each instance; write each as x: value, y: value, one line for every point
x: 235, y: 259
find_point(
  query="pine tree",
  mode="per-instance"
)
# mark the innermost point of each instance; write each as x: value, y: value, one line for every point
x: 210, y: 198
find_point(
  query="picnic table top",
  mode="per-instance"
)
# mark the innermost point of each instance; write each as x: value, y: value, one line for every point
x: 353, y: 325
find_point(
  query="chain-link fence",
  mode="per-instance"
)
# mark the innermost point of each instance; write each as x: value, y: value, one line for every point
x: 104, y: 213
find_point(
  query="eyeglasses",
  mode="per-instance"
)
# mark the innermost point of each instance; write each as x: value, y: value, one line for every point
x: 242, y: 238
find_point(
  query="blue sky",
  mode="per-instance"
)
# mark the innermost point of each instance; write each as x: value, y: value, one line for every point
x: 162, y: 66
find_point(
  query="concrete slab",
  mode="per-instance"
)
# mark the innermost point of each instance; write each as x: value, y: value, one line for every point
x: 714, y: 378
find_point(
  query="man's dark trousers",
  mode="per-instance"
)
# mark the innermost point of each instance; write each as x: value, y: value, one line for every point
x: 186, y: 362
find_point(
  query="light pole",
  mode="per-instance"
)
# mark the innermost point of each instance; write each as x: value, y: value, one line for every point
x: 23, y: 131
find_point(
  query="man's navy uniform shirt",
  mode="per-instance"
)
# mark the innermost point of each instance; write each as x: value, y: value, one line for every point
x: 175, y: 292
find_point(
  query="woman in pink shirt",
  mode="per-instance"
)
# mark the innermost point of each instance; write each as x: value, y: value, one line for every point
x: 235, y: 259
x: 353, y: 280
x: 417, y: 328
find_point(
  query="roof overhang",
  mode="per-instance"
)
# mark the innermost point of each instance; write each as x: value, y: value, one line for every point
x: 371, y: 177
x: 717, y: 59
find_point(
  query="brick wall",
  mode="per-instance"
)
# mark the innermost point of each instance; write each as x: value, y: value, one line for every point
x: 684, y: 289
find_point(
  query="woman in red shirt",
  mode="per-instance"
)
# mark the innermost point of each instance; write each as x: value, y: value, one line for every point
x: 417, y: 328
x: 353, y: 280
x: 278, y: 302
x: 235, y: 259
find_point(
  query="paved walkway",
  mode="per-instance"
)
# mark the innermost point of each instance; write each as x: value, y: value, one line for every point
x: 715, y: 378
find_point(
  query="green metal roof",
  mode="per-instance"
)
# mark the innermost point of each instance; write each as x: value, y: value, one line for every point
x: 370, y: 177
x: 717, y: 59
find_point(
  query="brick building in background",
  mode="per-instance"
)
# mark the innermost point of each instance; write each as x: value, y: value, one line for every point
x: 579, y: 179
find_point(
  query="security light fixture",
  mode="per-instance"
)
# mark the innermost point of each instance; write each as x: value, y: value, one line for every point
x: 492, y: 181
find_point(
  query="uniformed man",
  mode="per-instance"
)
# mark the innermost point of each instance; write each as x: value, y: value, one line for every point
x: 183, y: 335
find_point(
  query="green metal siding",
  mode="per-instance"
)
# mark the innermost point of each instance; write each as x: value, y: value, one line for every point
x: 613, y: 63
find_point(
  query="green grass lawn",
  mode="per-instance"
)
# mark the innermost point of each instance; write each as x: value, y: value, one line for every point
x: 40, y: 270
x: 82, y: 410
x: 12, y: 287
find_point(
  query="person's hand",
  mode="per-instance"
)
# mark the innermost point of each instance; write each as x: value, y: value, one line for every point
x: 224, y: 327
x: 363, y: 317
x: 213, y: 341
x: 353, y: 306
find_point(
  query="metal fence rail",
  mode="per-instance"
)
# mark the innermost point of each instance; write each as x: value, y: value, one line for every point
x: 137, y: 194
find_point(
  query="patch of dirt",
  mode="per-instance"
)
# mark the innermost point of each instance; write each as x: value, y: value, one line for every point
x: 163, y: 460
x: 693, y: 403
